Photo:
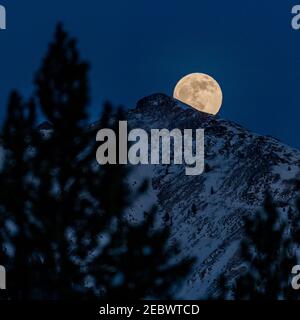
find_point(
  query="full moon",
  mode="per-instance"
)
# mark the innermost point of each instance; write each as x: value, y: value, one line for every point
x: 199, y: 91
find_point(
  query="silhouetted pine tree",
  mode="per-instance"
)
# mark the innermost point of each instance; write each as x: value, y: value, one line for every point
x: 65, y: 233
x: 16, y: 192
x: 138, y: 262
x: 268, y: 250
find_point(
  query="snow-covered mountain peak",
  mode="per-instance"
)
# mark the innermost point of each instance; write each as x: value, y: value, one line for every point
x: 206, y: 211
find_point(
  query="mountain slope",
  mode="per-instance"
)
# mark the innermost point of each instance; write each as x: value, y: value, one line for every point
x: 206, y: 211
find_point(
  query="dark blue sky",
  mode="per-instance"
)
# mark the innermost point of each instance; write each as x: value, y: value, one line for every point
x: 139, y: 47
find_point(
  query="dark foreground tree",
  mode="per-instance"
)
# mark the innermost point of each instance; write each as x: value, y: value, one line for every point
x: 64, y: 229
x: 268, y: 251
x: 16, y: 191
